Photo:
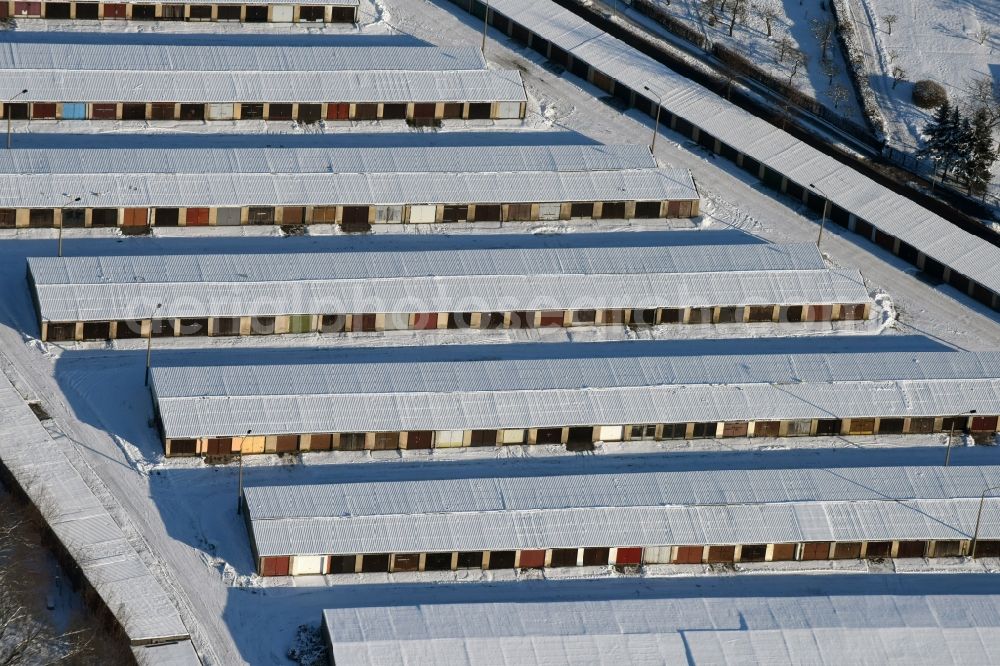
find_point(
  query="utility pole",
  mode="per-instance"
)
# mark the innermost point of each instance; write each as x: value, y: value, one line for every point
x: 62, y: 221
x: 979, y: 517
x: 951, y: 435
x: 822, y: 222
x: 6, y: 110
x: 656, y: 123
x: 239, y: 496
x: 149, y: 340
x: 486, y: 22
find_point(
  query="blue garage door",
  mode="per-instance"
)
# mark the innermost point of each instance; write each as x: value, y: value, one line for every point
x: 74, y: 111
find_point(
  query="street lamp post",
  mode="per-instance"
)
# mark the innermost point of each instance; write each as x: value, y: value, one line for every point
x: 951, y: 435
x: 486, y: 21
x: 6, y: 110
x: 979, y: 516
x: 656, y: 123
x: 239, y: 496
x: 822, y: 223
x: 149, y: 340
x: 62, y: 220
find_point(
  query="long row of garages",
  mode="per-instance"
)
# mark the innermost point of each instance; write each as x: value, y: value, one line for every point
x: 565, y: 394
x: 621, y: 518
x: 251, y: 183
x: 243, y: 11
x: 647, y: 283
x: 69, y: 76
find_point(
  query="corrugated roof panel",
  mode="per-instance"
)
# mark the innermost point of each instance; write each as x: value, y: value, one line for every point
x: 258, y: 158
x: 539, y: 392
x: 26, y: 57
x: 205, y: 87
x: 632, y: 526
x: 330, y: 189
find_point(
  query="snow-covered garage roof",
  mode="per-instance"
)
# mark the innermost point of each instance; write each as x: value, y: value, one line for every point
x: 885, y: 210
x: 564, y: 385
x: 256, y: 156
x: 488, y: 280
x: 843, y: 618
x: 120, y: 69
x: 621, y: 509
x: 113, y: 54
x: 346, y: 189
x: 202, y: 87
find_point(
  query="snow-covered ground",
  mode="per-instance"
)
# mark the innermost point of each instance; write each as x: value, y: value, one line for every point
x: 186, y: 510
x: 951, y: 42
x: 792, y: 21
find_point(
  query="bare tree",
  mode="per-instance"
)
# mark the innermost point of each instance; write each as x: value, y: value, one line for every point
x: 893, y: 55
x: 785, y: 46
x: 898, y: 74
x: 768, y: 12
x: 838, y: 94
x: 982, y: 34
x: 831, y: 69
x: 823, y: 30
x: 23, y: 638
x: 799, y: 62
x: 889, y: 20
x: 739, y: 9
x: 982, y: 94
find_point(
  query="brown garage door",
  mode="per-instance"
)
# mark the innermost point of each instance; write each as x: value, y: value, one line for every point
x: 338, y: 111
x: 103, y: 111
x: 816, y: 551
x: 721, y: 553
x: 135, y: 217
x: 293, y: 215
x: 273, y: 566
x: 419, y: 439
x: 688, y: 555
x: 984, y: 424
x: 196, y: 217
x: 532, y: 559
x: 219, y: 446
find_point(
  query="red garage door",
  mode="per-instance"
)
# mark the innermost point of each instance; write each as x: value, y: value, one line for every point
x: 628, y: 556
x: 425, y: 321
x: 197, y: 217
x: 532, y: 559
x: 114, y: 11
x: 27, y: 9
x: 274, y: 566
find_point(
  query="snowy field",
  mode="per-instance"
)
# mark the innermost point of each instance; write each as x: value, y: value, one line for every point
x: 186, y: 510
x: 792, y: 30
x: 951, y: 42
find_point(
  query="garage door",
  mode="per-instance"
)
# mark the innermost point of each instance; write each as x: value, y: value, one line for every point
x: 135, y: 217
x: 423, y: 214
x: 549, y: 211
x: 27, y: 9
x: 220, y: 112
x: 509, y: 110
x: 281, y: 13
x: 303, y: 565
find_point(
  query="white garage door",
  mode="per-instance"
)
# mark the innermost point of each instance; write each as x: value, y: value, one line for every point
x: 423, y: 214
x: 281, y: 13
x: 508, y: 110
x: 304, y: 565
x: 549, y: 211
x: 220, y: 111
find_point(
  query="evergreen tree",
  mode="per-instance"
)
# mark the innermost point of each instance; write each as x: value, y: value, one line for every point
x: 979, y: 154
x: 953, y: 141
x: 935, y: 145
